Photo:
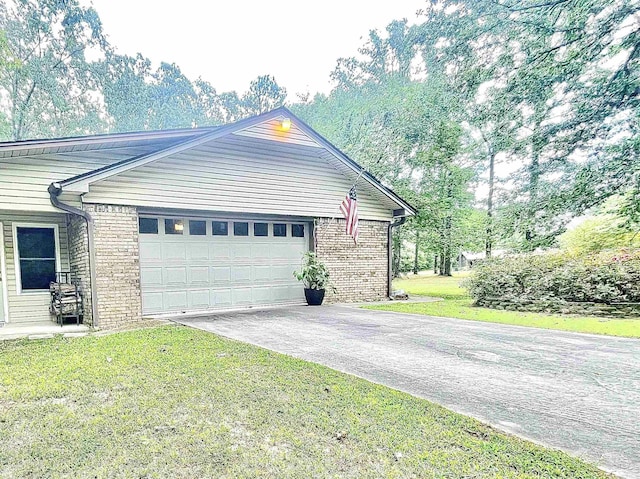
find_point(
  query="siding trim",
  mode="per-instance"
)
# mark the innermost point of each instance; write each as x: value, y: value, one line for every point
x: 16, y: 253
x: 3, y: 273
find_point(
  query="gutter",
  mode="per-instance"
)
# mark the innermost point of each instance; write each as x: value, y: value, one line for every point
x: 55, y: 189
x: 399, y: 222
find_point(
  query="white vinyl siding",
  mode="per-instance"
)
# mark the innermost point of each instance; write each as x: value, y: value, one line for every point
x: 24, y: 179
x: 30, y: 307
x: 272, y: 130
x: 242, y: 175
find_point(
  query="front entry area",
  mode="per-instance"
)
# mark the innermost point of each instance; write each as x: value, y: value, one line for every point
x: 192, y: 264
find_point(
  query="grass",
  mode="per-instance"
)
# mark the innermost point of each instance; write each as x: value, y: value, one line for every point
x: 457, y: 304
x: 175, y: 402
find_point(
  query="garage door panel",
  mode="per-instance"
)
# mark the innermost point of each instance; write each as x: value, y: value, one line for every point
x: 198, y: 251
x: 175, y: 300
x: 280, y: 293
x: 175, y: 275
x: 150, y: 251
x: 198, y: 275
x: 221, y: 298
x: 199, y: 299
x: 241, y: 274
x: 151, y: 276
x: 261, y: 295
x: 152, y: 302
x: 194, y: 273
x: 283, y: 271
x: 221, y: 274
x: 260, y: 251
x: 297, y: 250
x: 262, y: 273
x: 241, y: 296
x: 219, y: 251
x: 241, y: 251
x: 174, y: 251
x: 280, y: 250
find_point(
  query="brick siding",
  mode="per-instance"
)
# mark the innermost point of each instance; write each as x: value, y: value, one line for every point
x: 79, y: 261
x: 358, y: 272
x: 117, y: 264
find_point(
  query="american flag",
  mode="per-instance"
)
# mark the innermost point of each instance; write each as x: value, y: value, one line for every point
x: 349, y: 208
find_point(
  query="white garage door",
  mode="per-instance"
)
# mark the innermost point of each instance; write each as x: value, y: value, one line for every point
x: 194, y: 264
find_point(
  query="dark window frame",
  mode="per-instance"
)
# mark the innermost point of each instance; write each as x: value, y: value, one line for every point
x: 293, y: 230
x: 174, y: 231
x: 261, y: 235
x: 202, y: 223
x: 141, y: 219
x: 219, y: 222
x: 276, y: 230
x: 35, y: 258
x: 238, y: 224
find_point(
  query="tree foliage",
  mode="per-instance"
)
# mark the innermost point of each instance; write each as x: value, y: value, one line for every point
x: 45, y: 75
x: 533, y: 103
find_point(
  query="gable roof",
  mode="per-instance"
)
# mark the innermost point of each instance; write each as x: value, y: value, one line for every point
x: 80, y: 183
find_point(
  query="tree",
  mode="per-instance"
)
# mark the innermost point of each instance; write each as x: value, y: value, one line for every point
x: 138, y: 98
x: 264, y: 94
x: 124, y: 82
x: 45, y: 76
x: 569, y: 69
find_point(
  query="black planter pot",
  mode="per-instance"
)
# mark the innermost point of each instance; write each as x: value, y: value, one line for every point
x: 314, y: 296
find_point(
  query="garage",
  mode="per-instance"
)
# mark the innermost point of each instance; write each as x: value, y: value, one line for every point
x: 190, y: 264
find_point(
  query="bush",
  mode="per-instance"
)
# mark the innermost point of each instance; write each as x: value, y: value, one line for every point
x: 612, y: 277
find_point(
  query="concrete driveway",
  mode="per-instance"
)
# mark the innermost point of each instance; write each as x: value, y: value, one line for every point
x: 576, y: 392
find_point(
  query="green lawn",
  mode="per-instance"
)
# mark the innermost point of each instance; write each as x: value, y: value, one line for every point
x: 175, y: 402
x: 457, y: 304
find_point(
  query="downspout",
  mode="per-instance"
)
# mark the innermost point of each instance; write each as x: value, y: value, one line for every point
x: 55, y: 189
x: 399, y: 222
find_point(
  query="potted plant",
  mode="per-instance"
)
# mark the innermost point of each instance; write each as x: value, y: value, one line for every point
x: 315, y: 277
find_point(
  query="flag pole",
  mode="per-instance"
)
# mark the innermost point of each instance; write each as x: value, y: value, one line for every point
x: 332, y: 219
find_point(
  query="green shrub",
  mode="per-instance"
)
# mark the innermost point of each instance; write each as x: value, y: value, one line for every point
x: 610, y: 277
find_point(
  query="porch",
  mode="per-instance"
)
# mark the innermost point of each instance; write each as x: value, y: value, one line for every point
x: 33, y: 248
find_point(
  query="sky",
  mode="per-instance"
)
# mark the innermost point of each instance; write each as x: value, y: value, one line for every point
x: 229, y: 44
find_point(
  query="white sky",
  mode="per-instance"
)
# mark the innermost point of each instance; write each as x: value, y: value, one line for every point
x: 230, y: 43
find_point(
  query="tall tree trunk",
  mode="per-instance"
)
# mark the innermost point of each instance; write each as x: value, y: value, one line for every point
x: 415, y: 254
x: 435, y: 264
x: 489, y: 235
x: 534, y: 180
x: 447, y: 230
x: 446, y: 268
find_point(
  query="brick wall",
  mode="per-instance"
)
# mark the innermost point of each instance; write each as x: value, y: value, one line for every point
x: 79, y: 260
x: 358, y: 272
x: 117, y: 264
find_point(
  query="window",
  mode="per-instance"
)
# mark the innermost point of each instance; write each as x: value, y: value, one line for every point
x: 197, y: 228
x: 220, y: 228
x: 260, y: 229
x: 240, y: 228
x: 36, y: 257
x: 173, y: 227
x: 297, y: 231
x: 148, y: 226
x: 279, y: 229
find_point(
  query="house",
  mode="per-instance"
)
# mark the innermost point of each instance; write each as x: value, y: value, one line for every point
x: 178, y: 221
